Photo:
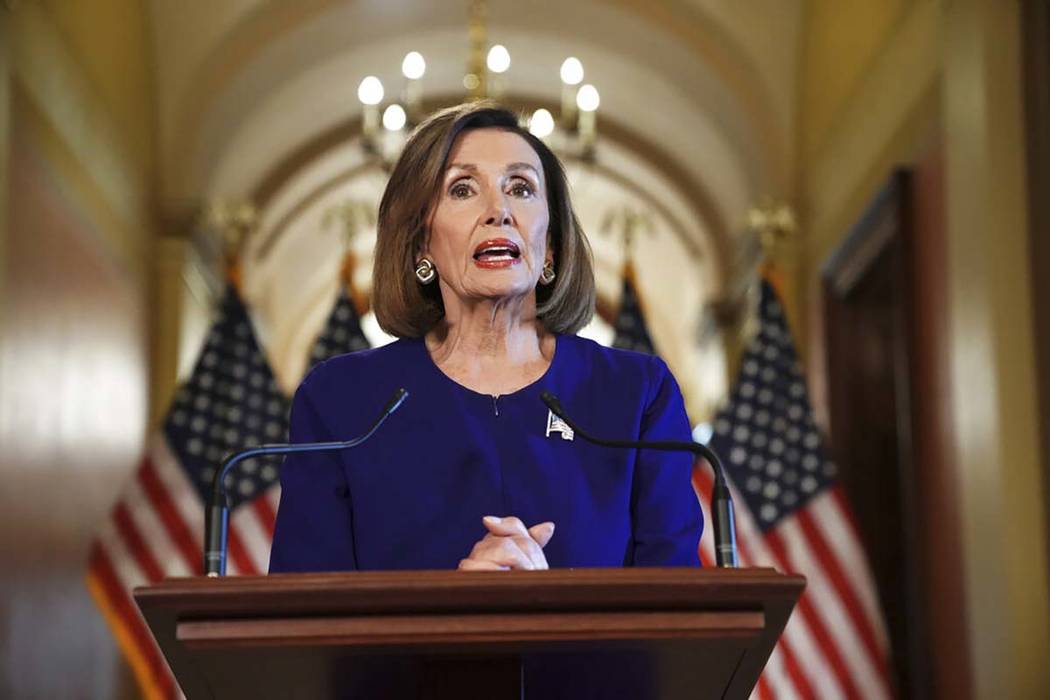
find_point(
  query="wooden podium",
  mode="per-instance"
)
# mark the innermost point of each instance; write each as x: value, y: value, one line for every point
x: 580, y: 633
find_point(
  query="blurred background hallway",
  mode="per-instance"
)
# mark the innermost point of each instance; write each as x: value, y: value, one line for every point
x: 883, y: 163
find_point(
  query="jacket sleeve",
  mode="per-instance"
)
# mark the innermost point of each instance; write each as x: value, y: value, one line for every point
x: 666, y: 516
x: 314, y: 527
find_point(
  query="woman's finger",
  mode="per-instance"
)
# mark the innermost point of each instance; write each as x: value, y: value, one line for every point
x: 500, y: 548
x: 532, y: 550
x: 510, y: 544
x: 506, y: 552
x: 542, y: 533
x: 503, y: 551
x: 506, y: 527
x: 511, y: 526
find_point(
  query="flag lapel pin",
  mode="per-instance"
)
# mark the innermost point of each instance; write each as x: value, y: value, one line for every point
x: 557, y: 425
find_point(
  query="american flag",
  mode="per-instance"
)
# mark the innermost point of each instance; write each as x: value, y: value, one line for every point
x: 791, y: 514
x: 342, y: 333
x: 230, y: 402
x: 631, y: 331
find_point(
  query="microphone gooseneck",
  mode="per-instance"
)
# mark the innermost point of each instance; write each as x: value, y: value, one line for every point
x: 216, y: 519
x: 722, y: 500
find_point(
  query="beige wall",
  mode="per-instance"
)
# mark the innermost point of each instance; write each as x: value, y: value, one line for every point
x: 109, y: 40
x: 74, y: 363
x: 993, y: 363
x: 841, y: 39
x: 951, y: 68
x: 885, y: 111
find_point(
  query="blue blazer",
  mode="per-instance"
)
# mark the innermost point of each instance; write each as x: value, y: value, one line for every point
x: 413, y: 496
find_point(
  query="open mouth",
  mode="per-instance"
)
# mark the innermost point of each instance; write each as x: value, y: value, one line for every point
x: 496, y: 252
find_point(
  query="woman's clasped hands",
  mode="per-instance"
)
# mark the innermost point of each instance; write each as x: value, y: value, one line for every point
x: 509, y: 545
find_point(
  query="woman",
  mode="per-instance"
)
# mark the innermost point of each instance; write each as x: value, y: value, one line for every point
x: 482, y: 271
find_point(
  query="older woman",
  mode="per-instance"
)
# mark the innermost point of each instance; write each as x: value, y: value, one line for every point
x: 482, y: 271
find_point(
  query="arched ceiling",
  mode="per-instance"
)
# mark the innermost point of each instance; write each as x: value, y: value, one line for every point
x: 244, y: 82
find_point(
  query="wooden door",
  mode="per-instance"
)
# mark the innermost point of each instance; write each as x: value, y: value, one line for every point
x: 868, y: 300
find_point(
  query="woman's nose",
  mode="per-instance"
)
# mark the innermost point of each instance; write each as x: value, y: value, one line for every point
x: 498, y: 213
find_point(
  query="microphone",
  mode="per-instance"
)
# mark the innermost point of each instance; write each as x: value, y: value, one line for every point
x: 216, y: 519
x: 722, y: 506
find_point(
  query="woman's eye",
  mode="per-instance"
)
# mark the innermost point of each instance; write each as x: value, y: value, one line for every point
x: 520, y: 188
x: 460, y: 190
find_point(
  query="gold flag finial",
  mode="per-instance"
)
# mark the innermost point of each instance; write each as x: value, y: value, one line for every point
x: 234, y: 222
x: 774, y: 224
x: 759, y: 252
x: 352, y: 216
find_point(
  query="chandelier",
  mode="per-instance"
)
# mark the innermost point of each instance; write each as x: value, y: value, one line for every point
x: 385, y: 124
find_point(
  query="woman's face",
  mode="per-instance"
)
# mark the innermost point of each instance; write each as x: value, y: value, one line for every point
x: 488, y: 229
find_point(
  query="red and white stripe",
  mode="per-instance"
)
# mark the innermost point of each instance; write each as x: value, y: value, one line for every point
x: 835, y: 644
x: 156, y: 530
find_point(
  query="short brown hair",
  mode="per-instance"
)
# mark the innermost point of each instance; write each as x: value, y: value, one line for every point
x: 407, y: 309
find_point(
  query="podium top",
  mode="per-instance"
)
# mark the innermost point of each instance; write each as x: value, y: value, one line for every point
x: 451, y: 591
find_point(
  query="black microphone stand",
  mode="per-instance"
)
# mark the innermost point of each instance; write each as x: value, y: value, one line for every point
x: 722, y: 500
x: 216, y: 519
